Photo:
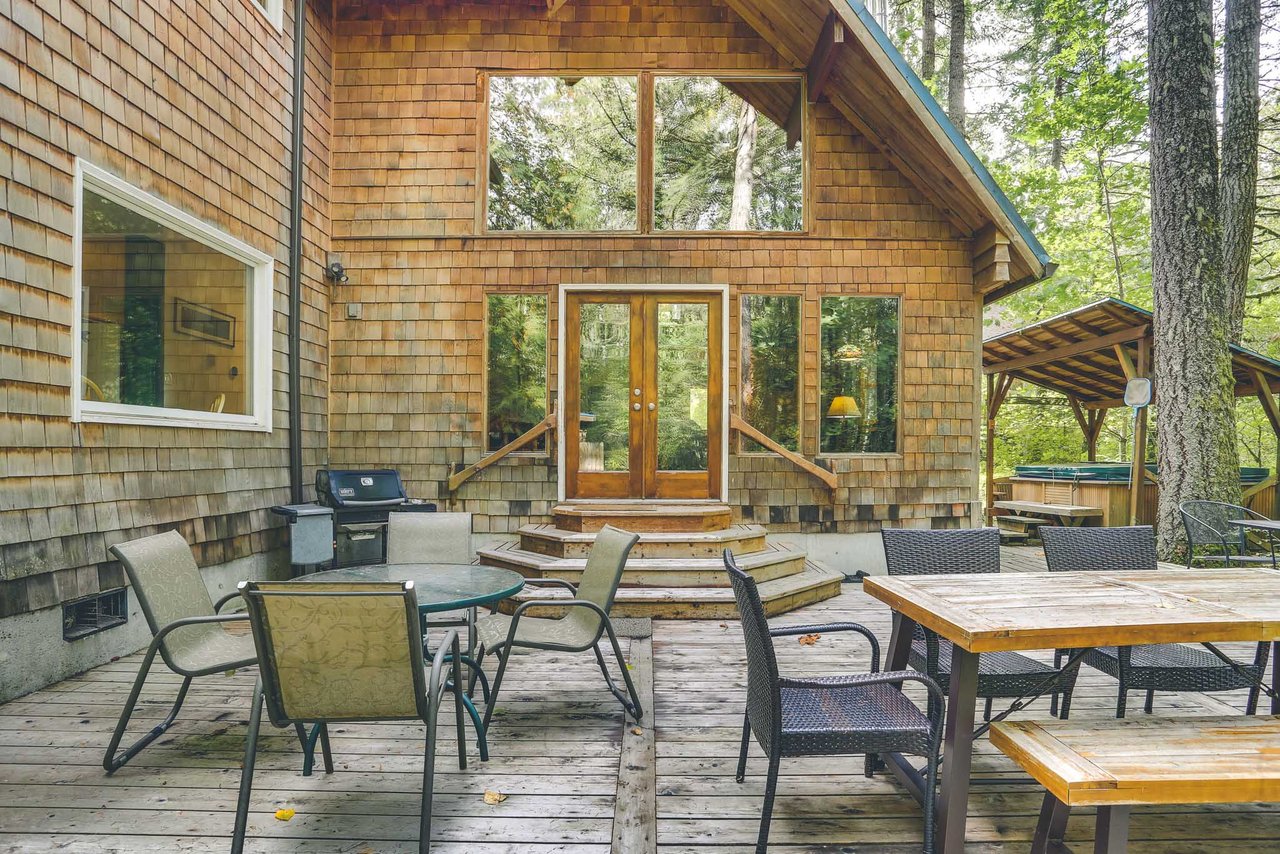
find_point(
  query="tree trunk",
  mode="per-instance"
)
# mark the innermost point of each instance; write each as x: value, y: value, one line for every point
x: 1239, y: 189
x: 955, y: 65
x: 743, y: 163
x: 928, y: 41
x: 1197, y: 437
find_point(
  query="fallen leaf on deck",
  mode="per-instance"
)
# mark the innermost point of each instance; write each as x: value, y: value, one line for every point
x: 285, y: 814
x: 491, y: 797
x: 635, y: 730
x: 724, y: 625
x: 809, y: 640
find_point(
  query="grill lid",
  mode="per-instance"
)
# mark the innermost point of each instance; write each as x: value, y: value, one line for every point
x: 359, y: 487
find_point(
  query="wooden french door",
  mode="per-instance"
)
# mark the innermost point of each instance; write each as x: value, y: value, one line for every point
x: 643, y: 395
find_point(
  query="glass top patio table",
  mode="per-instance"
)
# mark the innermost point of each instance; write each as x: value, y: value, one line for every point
x: 438, y: 586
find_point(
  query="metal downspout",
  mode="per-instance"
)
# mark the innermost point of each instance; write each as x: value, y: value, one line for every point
x: 295, y: 253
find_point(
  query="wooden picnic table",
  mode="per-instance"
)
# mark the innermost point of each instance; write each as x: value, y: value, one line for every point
x: 1060, y: 610
x: 1068, y: 515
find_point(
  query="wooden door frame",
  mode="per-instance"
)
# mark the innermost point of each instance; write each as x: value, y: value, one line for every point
x: 561, y: 391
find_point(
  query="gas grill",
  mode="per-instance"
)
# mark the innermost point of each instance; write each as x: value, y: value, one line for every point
x: 361, y: 501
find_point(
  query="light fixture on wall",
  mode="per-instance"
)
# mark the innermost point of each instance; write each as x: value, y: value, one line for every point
x: 336, y: 273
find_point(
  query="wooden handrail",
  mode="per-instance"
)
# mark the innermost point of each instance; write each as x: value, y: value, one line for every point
x: 1264, y: 484
x: 546, y: 425
x: 736, y: 422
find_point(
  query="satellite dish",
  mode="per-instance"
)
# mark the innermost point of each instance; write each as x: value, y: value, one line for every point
x: 1137, y: 392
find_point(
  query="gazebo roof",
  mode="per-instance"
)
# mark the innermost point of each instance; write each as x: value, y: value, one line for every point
x: 1083, y: 353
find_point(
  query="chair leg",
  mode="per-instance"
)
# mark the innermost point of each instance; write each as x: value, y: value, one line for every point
x: 325, y: 751
x: 459, y: 714
x: 930, y: 804
x: 113, y: 761
x: 1151, y: 699
x: 986, y: 710
x: 428, y: 783
x: 1053, y: 698
x: 477, y: 674
x: 1251, y: 708
x: 742, y: 754
x: 246, y: 776
x: 631, y: 700
x: 504, y: 655
x: 766, y: 813
x: 1121, y: 696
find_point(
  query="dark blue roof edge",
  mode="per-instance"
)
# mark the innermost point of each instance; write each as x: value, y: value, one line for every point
x: 957, y: 139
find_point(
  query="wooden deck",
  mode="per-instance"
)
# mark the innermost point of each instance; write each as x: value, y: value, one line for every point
x: 576, y: 778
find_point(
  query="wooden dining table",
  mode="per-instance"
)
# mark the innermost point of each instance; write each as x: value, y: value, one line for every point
x: 1060, y: 610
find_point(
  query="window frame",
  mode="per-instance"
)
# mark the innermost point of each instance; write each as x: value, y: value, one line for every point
x: 259, y: 338
x: 484, y: 400
x: 800, y: 419
x: 272, y: 10
x: 897, y: 427
x: 646, y: 128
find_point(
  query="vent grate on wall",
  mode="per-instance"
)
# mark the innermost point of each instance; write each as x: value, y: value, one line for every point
x: 95, y: 613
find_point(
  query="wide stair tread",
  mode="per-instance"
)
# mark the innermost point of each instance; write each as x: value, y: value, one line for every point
x: 774, y: 560
x: 649, y: 516
x: 780, y: 595
x: 556, y: 542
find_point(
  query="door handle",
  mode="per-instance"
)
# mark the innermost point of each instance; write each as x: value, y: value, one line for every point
x: 652, y: 406
x: 636, y: 406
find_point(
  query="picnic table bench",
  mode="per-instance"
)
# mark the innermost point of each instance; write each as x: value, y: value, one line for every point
x: 1058, y: 514
x: 1115, y: 765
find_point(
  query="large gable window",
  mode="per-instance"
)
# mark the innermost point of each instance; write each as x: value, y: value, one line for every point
x: 173, y: 319
x: 859, y: 384
x: 722, y: 157
x: 562, y: 153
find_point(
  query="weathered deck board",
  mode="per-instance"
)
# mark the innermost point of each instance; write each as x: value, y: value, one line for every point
x: 558, y: 751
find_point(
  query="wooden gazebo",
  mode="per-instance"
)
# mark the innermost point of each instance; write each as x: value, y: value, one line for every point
x: 1089, y: 354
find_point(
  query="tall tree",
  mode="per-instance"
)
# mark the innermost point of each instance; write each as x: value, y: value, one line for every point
x: 955, y: 64
x: 743, y: 169
x: 1239, y: 189
x: 928, y: 40
x: 1197, y: 436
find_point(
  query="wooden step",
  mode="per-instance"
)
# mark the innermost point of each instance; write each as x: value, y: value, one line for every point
x: 780, y: 595
x: 646, y: 517
x: 774, y: 561
x: 1022, y: 521
x: 552, y: 541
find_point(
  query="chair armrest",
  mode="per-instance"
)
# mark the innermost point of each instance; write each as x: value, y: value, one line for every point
x: 448, y: 652
x: 552, y: 582
x: 786, y: 631
x: 890, y: 677
x: 551, y: 603
x: 199, y: 621
x: 217, y: 606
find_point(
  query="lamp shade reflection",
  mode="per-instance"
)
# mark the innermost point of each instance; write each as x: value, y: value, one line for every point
x: 843, y: 406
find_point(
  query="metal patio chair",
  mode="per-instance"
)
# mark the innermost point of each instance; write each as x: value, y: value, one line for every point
x: 580, y: 628
x: 434, y: 538
x: 828, y: 715
x: 1007, y: 675
x: 1208, y: 527
x: 188, y: 632
x: 1154, y: 667
x: 345, y: 653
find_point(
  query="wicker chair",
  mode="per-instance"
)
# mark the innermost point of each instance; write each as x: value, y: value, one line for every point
x: 969, y: 550
x: 584, y: 622
x: 188, y: 632
x: 1155, y: 667
x: 345, y: 652
x: 827, y: 715
x: 1208, y: 526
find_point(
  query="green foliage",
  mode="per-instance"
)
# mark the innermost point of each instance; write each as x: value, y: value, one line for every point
x: 517, y: 369
x: 859, y: 361
x: 770, y: 391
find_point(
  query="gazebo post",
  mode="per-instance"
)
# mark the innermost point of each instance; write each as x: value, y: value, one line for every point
x: 998, y: 386
x: 1272, y: 409
x: 1138, y: 474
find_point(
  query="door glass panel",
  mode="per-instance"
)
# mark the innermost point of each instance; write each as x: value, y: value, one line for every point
x: 604, y: 378
x: 683, y: 373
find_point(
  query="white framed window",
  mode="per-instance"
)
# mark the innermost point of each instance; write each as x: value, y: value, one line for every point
x: 171, y: 316
x: 273, y: 9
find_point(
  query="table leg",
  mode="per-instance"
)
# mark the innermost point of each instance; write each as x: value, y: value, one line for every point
x: 1053, y: 825
x: 957, y: 751
x: 1112, y: 835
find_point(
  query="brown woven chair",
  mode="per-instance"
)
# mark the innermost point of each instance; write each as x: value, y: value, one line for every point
x: 970, y: 550
x: 827, y: 715
x: 1151, y: 667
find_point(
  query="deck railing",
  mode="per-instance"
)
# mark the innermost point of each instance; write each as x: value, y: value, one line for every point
x: 546, y: 425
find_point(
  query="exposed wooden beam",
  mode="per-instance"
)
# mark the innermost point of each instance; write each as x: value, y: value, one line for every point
x: 830, y: 43
x: 1126, y: 363
x: 554, y: 6
x: 1137, y: 333
x: 1268, y: 401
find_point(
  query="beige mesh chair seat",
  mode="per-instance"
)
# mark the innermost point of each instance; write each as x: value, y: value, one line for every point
x: 584, y: 622
x: 345, y: 653
x: 189, y: 634
x: 434, y: 538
